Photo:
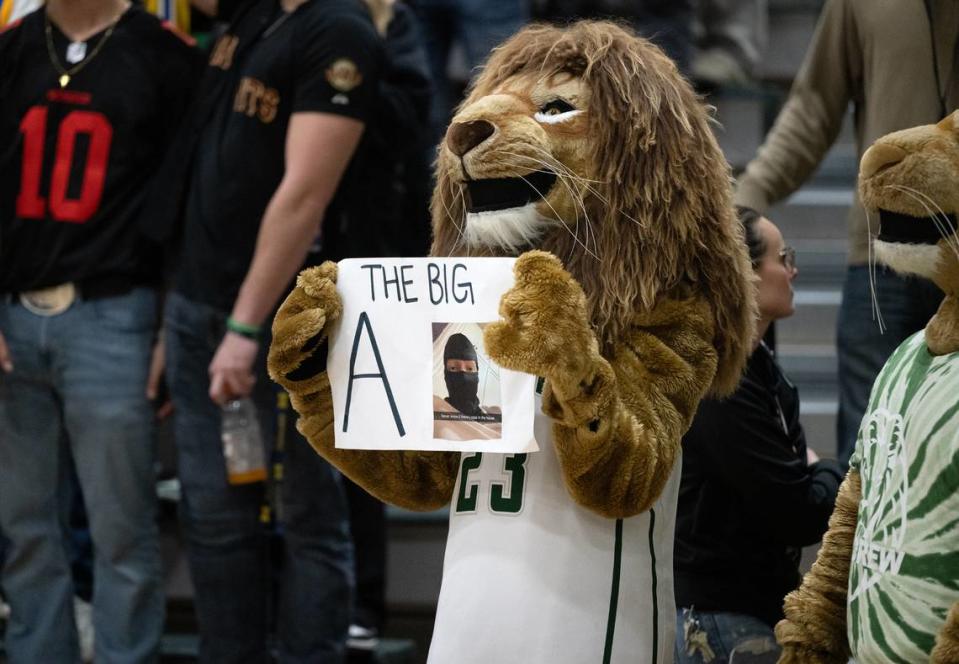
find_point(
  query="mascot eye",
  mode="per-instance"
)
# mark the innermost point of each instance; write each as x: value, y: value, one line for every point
x: 556, y: 107
x: 556, y: 111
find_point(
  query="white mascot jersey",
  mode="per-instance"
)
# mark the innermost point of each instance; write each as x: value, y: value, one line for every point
x: 532, y: 577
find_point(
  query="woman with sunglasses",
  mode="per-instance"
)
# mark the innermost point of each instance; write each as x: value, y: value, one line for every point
x: 752, y: 493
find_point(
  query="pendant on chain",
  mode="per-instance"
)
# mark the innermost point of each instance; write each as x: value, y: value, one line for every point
x: 64, y: 80
x: 76, y: 51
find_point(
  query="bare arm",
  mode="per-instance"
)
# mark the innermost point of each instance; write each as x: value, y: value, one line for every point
x: 811, y: 119
x: 290, y: 224
x: 295, y: 213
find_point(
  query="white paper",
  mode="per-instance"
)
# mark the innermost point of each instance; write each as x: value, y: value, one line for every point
x: 399, y: 316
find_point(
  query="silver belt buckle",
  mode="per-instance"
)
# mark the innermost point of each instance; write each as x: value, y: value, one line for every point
x: 50, y: 301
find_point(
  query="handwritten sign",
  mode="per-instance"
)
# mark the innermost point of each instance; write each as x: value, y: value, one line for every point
x: 407, y: 363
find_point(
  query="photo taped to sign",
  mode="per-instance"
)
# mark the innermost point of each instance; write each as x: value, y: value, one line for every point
x: 466, y: 385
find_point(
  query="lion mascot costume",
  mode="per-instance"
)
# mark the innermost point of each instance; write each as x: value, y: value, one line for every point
x: 885, y: 587
x: 584, y: 152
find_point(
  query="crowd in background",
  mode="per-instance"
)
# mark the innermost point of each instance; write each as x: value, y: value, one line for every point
x: 158, y: 197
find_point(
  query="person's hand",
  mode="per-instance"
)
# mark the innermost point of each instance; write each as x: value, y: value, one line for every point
x: 155, y: 379
x: 231, y: 371
x: 6, y: 363
x: 811, y: 457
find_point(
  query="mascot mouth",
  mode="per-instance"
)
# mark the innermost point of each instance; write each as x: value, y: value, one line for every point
x: 503, y: 193
x: 901, y: 228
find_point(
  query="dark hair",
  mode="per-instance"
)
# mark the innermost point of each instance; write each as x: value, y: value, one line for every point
x: 749, y: 219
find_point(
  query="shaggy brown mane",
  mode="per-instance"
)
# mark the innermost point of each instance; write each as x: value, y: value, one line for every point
x: 661, y: 213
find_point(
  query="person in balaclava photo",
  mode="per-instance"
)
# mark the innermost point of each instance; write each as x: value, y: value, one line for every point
x: 462, y: 374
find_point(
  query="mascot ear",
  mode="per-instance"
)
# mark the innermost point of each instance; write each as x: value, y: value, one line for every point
x: 950, y: 123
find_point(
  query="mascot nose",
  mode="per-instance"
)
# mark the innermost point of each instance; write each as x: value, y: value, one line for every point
x: 464, y: 136
x: 879, y: 156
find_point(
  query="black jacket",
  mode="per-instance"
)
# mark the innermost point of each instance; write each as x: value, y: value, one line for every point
x: 748, y: 500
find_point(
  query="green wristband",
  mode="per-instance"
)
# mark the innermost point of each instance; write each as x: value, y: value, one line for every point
x: 251, y: 332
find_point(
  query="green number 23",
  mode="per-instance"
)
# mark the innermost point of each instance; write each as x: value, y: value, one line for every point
x: 505, y: 497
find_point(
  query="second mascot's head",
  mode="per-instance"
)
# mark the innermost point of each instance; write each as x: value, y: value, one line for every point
x: 587, y: 142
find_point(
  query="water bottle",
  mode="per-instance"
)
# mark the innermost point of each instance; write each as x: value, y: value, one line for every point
x: 242, y: 442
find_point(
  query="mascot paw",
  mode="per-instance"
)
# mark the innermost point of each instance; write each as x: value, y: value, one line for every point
x: 793, y: 655
x: 802, y: 647
x: 545, y: 329
x: 298, y: 354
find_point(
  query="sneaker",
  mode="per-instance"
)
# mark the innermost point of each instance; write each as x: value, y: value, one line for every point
x: 83, y: 615
x: 362, y: 638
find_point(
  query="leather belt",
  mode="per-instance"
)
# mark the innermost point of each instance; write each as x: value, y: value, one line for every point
x: 54, y: 300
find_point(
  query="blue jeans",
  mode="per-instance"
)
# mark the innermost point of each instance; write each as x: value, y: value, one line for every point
x: 81, y: 377
x: 717, y: 637
x: 906, y: 305
x: 229, y: 548
x: 478, y: 25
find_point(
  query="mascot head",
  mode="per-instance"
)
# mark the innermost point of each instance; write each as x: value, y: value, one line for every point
x: 911, y: 178
x: 585, y: 141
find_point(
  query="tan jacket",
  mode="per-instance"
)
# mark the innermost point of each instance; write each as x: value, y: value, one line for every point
x: 876, y: 54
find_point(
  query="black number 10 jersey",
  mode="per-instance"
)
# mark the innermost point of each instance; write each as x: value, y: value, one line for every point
x: 76, y: 161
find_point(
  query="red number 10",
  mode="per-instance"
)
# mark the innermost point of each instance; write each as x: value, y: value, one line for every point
x: 30, y: 205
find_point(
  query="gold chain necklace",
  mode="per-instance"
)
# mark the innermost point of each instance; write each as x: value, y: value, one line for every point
x: 67, y: 74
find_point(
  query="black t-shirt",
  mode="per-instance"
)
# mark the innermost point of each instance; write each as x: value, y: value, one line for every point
x: 75, y: 161
x: 388, y: 210
x: 748, y: 500
x: 323, y: 57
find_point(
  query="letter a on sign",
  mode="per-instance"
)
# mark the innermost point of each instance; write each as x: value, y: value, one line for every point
x: 364, y: 321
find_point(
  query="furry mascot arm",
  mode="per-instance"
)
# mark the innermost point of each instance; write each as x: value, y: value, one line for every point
x: 297, y: 361
x: 814, y: 631
x: 947, y: 642
x: 617, y: 422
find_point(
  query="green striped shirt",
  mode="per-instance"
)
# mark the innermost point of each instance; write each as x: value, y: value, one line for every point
x: 904, y: 574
